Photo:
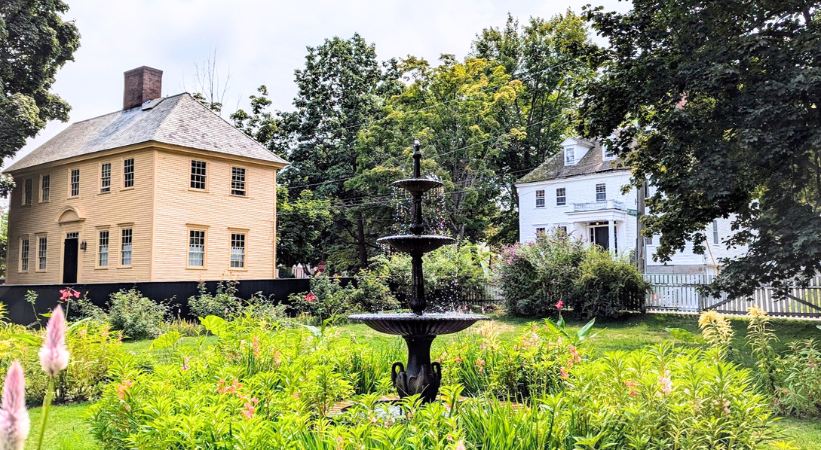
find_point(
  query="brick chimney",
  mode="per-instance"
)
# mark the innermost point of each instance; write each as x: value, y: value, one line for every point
x: 141, y: 85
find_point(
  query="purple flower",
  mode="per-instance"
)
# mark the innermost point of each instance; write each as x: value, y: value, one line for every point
x: 14, y: 419
x: 53, y: 353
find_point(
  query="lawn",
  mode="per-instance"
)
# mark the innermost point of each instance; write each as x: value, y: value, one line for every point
x: 69, y: 430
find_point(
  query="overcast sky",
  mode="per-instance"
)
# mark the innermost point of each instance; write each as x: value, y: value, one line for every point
x: 258, y: 41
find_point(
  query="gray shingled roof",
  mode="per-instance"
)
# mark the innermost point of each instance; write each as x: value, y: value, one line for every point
x: 178, y: 120
x: 590, y: 163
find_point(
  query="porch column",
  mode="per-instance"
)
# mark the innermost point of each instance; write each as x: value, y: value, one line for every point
x: 611, y: 236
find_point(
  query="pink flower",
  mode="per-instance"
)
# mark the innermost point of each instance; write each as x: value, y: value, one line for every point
x: 310, y: 297
x: 53, y: 353
x: 631, y: 388
x: 67, y: 293
x: 123, y: 388
x: 14, y: 419
x: 560, y: 305
x: 460, y: 445
x: 575, y: 357
x: 250, y: 408
x: 665, y: 383
x: 563, y: 373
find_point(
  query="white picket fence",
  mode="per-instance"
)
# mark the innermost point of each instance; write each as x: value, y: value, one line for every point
x: 679, y: 292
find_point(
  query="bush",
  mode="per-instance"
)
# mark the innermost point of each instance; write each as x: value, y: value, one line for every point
x: 94, y: 350
x: 453, y: 274
x: 328, y: 301
x: 138, y: 317
x: 223, y: 303
x: 271, y: 386
x: 606, y: 287
x: 371, y: 293
x: 536, y: 275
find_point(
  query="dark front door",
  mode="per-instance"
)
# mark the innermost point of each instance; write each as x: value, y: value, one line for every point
x: 70, y: 260
x: 600, y: 236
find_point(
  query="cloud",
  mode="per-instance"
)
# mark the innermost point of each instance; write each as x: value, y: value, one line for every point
x: 257, y: 41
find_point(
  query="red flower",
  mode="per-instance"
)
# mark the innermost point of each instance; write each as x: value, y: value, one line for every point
x: 67, y: 292
x: 560, y: 305
x: 310, y: 297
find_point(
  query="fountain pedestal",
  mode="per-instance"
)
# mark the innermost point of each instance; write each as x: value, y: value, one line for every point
x: 419, y: 329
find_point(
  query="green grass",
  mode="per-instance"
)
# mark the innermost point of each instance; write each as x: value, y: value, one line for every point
x: 69, y: 429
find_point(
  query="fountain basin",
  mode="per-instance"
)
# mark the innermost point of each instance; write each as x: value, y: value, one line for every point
x: 417, y: 185
x: 412, y: 243
x: 410, y: 324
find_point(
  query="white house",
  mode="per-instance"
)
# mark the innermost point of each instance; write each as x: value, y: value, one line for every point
x: 580, y: 191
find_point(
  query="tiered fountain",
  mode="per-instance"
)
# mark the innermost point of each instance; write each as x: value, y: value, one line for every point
x: 418, y: 328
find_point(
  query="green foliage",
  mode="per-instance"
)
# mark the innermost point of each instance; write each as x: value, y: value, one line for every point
x: 372, y: 293
x: 717, y: 331
x: 271, y: 385
x: 301, y: 225
x: 223, y: 303
x: 452, y: 273
x: 137, y: 316
x: 4, y: 242
x: 35, y: 42
x: 535, y: 276
x: 606, y: 287
x: 696, y: 90
x: 94, y: 350
x: 798, y: 380
x: 328, y: 300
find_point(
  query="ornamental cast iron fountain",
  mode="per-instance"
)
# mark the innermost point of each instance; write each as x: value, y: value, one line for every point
x: 418, y: 328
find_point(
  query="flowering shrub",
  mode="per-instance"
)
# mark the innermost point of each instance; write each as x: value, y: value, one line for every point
x: 329, y: 301
x: 137, y: 316
x: 274, y: 385
x: 606, y: 287
x: 534, y: 276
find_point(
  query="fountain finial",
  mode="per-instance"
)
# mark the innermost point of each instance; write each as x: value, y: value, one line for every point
x: 417, y: 158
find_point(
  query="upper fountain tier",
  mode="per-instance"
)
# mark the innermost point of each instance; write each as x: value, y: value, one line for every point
x: 417, y: 185
x: 416, y: 243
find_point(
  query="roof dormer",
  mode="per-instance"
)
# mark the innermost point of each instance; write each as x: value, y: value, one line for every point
x: 574, y: 149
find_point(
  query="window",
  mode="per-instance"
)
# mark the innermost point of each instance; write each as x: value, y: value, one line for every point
x: 24, y: 255
x: 74, y: 189
x: 561, y: 197
x: 238, y: 181
x: 126, y: 236
x: 540, y: 232
x: 601, y: 192
x: 27, y: 188
x: 569, y: 155
x: 102, y: 249
x: 128, y: 173
x: 197, y: 174
x: 607, y: 154
x: 561, y: 230
x: 42, y: 252
x: 237, y: 250
x: 715, y: 232
x: 196, y: 248
x: 45, y: 188
x: 105, y: 177
x: 540, y: 198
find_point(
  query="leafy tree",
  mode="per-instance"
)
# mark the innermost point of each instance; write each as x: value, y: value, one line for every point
x: 454, y: 110
x: 34, y: 43
x: 301, y: 224
x: 552, y: 59
x: 717, y: 105
x: 341, y: 89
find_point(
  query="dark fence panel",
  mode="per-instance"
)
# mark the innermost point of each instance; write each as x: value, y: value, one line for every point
x: 174, y: 293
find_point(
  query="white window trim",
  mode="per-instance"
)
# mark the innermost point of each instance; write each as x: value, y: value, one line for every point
x: 37, y: 268
x: 191, y: 176
x: 204, y: 230
x: 569, y: 149
x: 27, y: 259
x: 110, y: 174
x: 604, y: 191
x: 42, y: 191
x: 244, y: 182
x: 70, y: 170
x: 244, y: 266
x: 122, y: 248
x: 28, y: 192
x: 542, y: 198
x: 604, y: 152
x: 564, y: 197
x: 98, y: 253
x: 133, y: 173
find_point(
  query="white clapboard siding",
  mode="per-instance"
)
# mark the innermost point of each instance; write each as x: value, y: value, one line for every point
x: 679, y: 292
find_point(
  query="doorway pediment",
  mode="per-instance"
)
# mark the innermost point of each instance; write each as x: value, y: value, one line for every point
x: 70, y: 215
